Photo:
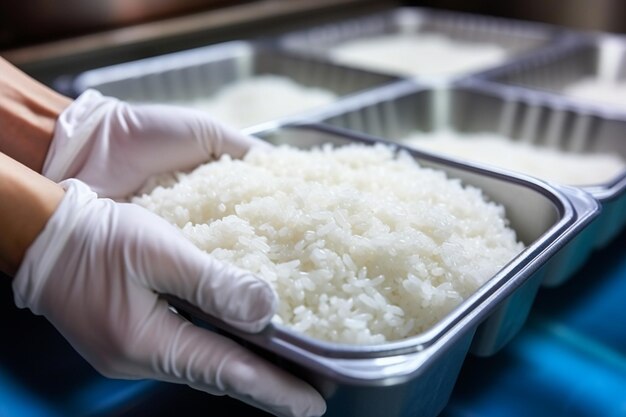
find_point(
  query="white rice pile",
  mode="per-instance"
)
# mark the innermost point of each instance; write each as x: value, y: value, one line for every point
x: 362, y: 246
x: 595, y: 89
x: 546, y: 163
x: 260, y: 99
x: 418, y: 54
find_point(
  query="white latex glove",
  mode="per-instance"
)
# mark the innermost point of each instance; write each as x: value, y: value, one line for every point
x: 114, y: 147
x: 94, y: 272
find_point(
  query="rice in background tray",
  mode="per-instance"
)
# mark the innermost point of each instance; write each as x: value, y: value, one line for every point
x: 598, y: 90
x: 259, y: 99
x: 549, y: 164
x: 418, y: 54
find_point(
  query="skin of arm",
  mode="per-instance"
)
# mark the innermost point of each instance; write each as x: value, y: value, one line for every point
x: 27, y: 200
x: 28, y: 114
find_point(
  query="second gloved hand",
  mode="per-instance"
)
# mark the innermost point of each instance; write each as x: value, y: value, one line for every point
x: 115, y: 147
x: 95, y: 271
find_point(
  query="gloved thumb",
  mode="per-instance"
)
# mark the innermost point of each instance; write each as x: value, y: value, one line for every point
x: 173, y: 265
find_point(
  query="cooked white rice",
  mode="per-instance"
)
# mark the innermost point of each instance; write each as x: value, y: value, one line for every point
x: 362, y: 245
x: 542, y: 162
x: 259, y: 99
x: 418, y: 54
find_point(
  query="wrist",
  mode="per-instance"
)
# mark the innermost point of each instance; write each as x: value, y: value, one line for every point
x: 27, y: 201
x: 28, y: 114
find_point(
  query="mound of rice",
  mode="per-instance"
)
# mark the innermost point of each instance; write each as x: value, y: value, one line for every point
x: 259, y: 99
x: 361, y: 244
x: 542, y: 162
x: 418, y: 54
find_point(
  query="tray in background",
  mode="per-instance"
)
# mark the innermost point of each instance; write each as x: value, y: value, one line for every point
x: 475, y: 107
x: 518, y: 38
x: 200, y: 73
x: 601, y: 57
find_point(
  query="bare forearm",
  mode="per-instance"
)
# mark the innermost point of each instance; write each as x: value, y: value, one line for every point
x: 28, y: 114
x: 27, y: 200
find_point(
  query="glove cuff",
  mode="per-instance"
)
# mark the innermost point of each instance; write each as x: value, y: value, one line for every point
x: 42, y: 255
x: 73, y: 131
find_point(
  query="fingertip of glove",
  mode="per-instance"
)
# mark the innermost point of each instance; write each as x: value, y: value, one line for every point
x: 301, y: 400
x: 258, y: 304
x: 244, y: 300
x: 317, y: 407
x: 262, y: 145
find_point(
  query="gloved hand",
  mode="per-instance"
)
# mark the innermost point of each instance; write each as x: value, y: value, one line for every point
x: 94, y: 272
x: 114, y: 147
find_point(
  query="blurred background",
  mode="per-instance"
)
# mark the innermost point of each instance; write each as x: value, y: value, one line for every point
x: 41, y: 21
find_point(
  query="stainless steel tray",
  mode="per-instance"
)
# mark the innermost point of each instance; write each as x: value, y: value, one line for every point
x: 579, y: 57
x: 201, y: 72
x: 414, y: 377
x: 517, y: 37
x: 472, y: 106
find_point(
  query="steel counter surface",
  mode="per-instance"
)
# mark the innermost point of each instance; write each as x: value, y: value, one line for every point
x: 569, y: 360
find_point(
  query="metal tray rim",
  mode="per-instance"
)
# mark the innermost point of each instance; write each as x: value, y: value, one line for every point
x: 467, y: 315
x: 151, y: 65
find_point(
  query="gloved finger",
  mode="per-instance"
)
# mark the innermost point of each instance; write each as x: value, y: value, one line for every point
x: 173, y: 265
x: 213, y: 138
x: 131, y: 143
x: 155, y: 140
x: 212, y: 363
x: 71, y: 146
